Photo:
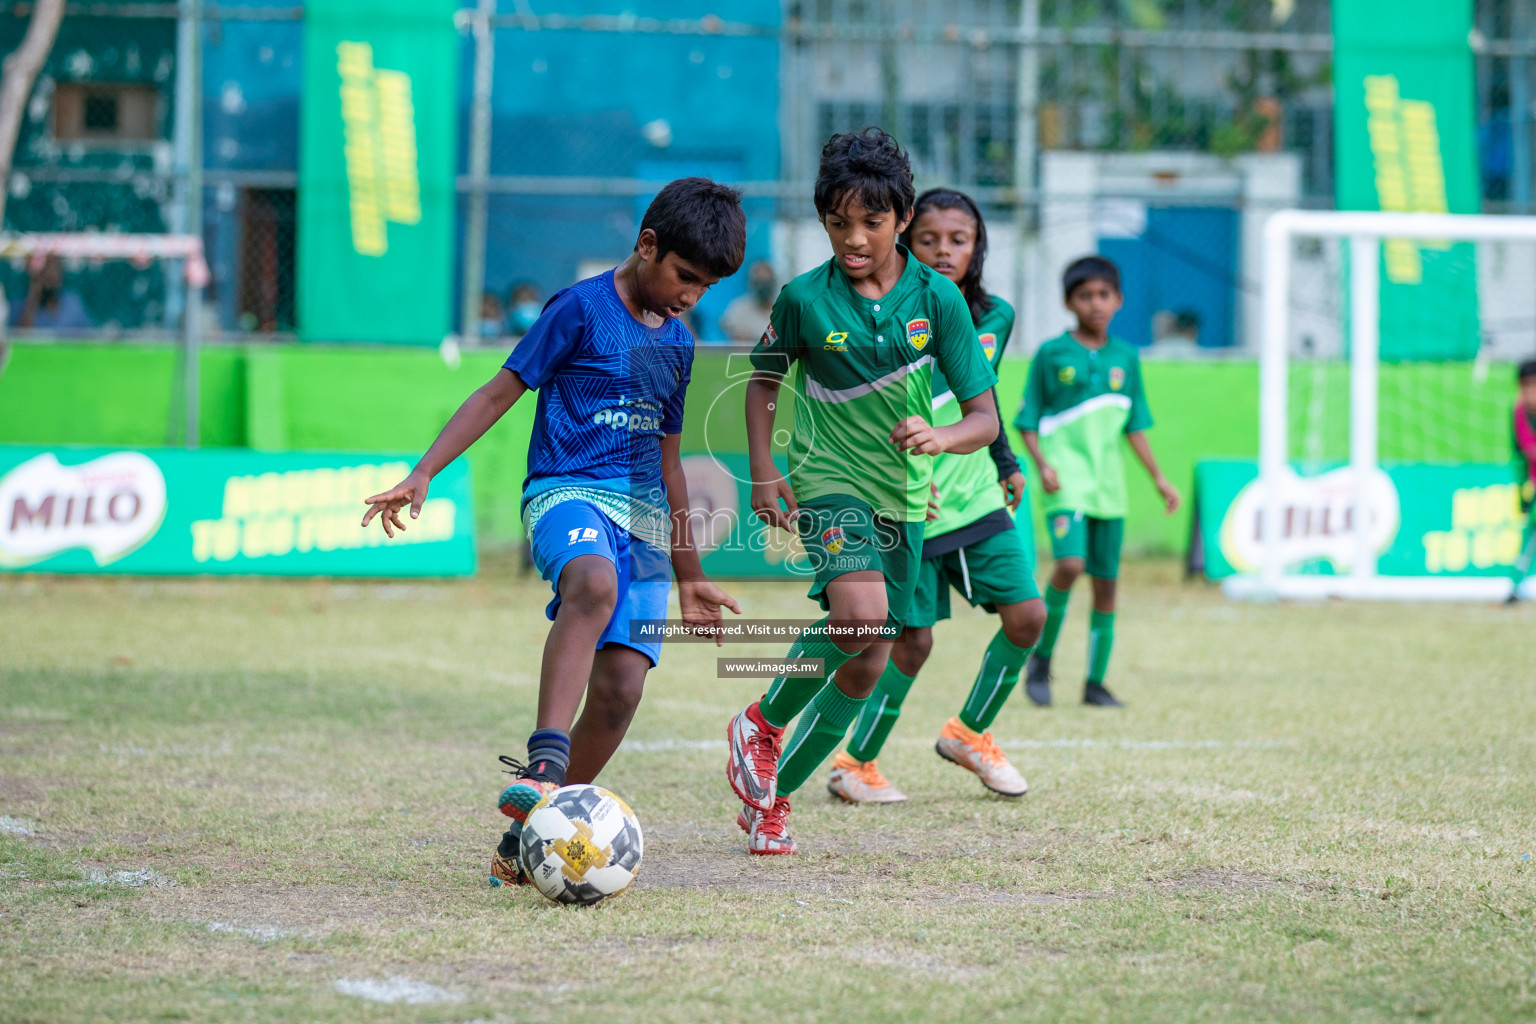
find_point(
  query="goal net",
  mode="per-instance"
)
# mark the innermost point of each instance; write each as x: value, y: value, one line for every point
x: 1387, y: 389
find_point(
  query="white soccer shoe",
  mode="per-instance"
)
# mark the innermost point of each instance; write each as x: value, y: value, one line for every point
x: 980, y: 755
x: 860, y: 782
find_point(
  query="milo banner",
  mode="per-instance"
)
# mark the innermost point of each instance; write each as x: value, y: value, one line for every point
x: 1405, y: 141
x: 224, y: 512
x: 376, y: 163
x: 1422, y: 519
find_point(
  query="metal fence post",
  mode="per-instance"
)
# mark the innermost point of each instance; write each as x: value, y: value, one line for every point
x: 479, y: 168
x: 1024, y: 182
x: 189, y: 157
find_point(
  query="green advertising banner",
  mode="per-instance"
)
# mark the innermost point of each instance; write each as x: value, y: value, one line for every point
x: 1405, y: 141
x: 1425, y: 520
x: 376, y: 170
x: 222, y: 512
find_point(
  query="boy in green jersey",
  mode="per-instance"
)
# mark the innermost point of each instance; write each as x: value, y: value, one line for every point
x: 864, y: 333
x: 1525, y: 471
x: 1084, y: 392
x: 972, y: 546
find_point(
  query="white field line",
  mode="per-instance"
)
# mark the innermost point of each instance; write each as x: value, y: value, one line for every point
x: 673, y: 744
x: 396, y: 990
x: 260, y: 933
x: 130, y: 879
x: 16, y: 826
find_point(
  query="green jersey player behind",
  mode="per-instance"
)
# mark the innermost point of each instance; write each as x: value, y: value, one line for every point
x: 1525, y: 471
x: 971, y: 546
x: 1084, y: 393
x: 864, y: 333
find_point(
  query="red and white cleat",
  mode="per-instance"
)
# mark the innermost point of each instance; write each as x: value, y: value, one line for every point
x: 753, y: 764
x: 769, y: 832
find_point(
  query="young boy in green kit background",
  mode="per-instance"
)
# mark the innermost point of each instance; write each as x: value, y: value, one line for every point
x: 1083, y: 394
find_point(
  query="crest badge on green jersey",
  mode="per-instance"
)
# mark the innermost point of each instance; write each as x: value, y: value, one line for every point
x: 988, y: 345
x: 836, y: 341
x: 1067, y: 374
x: 1116, y: 378
x: 832, y: 539
x: 917, y: 332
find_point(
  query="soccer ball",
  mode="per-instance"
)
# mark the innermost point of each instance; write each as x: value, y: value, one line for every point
x: 581, y: 845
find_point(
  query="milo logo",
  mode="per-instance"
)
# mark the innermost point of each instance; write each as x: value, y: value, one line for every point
x: 109, y: 506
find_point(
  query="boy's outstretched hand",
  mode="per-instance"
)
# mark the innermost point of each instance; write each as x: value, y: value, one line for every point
x: 701, y: 601
x: 1170, y: 494
x: 1013, y: 490
x: 411, y: 491
x: 917, y: 436
x: 1048, y: 479
x: 765, y: 503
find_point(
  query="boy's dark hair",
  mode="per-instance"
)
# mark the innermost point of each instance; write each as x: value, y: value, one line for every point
x: 702, y: 221
x: 1089, y: 268
x: 868, y: 167
x: 1527, y: 370
x: 970, y: 285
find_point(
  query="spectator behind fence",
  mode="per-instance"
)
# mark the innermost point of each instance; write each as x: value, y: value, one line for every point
x: 747, y: 315
x: 492, y: 318
x: 524, y: 305
x: 49, y: 305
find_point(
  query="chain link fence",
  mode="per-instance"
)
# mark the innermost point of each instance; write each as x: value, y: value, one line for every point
x: 1159, y: 131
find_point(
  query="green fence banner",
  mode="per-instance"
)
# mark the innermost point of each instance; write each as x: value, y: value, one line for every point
x: 1405, y: 141
x: 1425, y: 520
x: 170, y: 511
x: 376, y: 170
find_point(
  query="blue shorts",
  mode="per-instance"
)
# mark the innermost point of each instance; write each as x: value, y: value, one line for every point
x: 578, y: 527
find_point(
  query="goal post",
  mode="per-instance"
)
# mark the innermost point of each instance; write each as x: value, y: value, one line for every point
x: 1363, y: 503
x: 95, y: 255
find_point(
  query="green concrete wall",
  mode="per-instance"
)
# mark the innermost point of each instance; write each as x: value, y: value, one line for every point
x: 383, y: 399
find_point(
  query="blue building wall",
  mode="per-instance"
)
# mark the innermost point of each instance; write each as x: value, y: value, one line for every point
x: 564, y: 103
x: 578, y: 103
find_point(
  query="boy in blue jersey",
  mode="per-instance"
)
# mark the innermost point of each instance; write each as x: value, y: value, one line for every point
x: 605, y: 502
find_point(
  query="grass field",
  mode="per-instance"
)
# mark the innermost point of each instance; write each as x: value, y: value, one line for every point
x: 231, y: 801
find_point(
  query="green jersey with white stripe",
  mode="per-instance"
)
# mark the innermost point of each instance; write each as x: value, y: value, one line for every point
x: 1082, y: 401
x: 967, y: 484
x: 861, y: 367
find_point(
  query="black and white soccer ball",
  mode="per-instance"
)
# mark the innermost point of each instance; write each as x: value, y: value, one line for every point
x: 581, y: 845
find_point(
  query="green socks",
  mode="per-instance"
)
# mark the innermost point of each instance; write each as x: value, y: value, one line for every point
x: 999, y: 674
x: 1101, y: 640
x: 1055, y: 613
x: 789, y: 694
x: 817, y: 734
x: 879, y: 713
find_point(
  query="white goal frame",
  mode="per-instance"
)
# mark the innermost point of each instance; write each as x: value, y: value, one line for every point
x: 101, y: 245
x: 1364, y: 231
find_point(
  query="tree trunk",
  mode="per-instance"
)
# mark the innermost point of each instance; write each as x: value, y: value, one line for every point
x: 16, y: 77
x: 17, y: 74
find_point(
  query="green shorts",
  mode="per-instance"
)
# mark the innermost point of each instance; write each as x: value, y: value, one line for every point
x: 995, y: 570
x: 842, y: 534
x: 1095, y: 541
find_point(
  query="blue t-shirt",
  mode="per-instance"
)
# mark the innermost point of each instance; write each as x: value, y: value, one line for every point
x: 609, y: 388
